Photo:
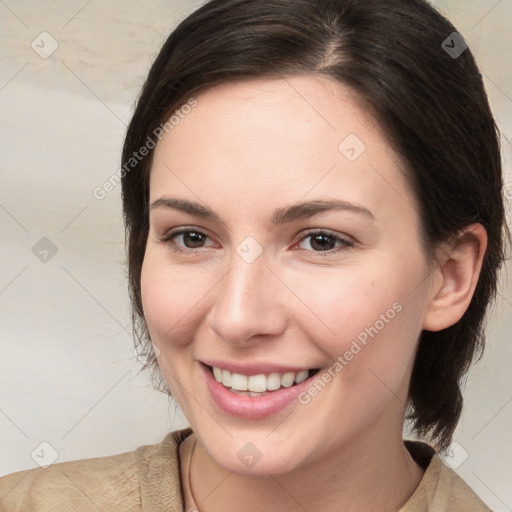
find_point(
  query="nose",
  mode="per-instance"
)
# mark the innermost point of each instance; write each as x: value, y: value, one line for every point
x: 247, y: 304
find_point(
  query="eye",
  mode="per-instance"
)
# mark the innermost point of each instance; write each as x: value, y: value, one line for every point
x: 322, y: 241
x: 185, y: 240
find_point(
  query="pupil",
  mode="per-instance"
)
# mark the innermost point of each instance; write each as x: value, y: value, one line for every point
x: 322, y: 243
x: 193, y: 239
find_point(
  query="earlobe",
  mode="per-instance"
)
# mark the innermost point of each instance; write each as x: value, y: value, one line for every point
x: 455, y: 279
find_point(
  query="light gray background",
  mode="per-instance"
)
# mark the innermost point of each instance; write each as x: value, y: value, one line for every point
x: 67, y: 367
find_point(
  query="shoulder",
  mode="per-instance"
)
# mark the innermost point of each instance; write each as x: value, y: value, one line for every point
x: 110, y: 483
x: 441, y: 489
x: 87, y: 484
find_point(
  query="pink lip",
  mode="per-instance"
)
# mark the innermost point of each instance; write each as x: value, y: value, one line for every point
x: 252, y: 407
x: 253, y: 368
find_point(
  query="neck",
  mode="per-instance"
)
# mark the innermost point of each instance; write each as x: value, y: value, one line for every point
x: 363, y: 475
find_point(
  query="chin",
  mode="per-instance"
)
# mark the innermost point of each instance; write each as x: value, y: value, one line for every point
x: 265, y: 466
x: 254, y: 455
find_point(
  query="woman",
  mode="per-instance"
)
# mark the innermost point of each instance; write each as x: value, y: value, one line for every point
x: 312, y: 197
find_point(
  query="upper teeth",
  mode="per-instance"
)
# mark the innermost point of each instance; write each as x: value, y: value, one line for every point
x: 258, y: 383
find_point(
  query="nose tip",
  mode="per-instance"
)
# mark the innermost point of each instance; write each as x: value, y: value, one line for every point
x: 247, y: 304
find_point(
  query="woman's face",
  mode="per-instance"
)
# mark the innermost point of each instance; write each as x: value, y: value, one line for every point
x: 283, y: 239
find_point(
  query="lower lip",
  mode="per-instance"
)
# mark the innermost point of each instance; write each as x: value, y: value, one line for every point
x: 253, y: 407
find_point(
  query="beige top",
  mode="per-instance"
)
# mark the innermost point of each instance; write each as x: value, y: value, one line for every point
x: 148, y: 480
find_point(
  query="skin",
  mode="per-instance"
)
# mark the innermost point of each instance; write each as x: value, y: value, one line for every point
x: 246, y: 150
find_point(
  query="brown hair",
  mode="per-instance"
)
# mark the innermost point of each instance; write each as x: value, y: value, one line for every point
x: 429, y: 101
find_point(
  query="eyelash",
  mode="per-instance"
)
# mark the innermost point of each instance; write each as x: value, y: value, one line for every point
x: 168, y: 238
x: 345, y: 243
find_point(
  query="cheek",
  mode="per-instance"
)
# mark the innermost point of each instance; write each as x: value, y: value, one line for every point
x: 366, y: 315
x: 171, y: 300
x: 373, y: 346
x: 344, y: 301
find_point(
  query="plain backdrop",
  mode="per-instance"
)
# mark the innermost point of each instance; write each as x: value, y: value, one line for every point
x: 69, y: 74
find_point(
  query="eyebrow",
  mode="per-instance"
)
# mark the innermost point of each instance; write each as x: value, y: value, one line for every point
x: 310, y: 208
x: 283, y: 215
x: 185, y: 206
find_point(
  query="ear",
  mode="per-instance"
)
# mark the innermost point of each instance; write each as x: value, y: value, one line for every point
x: 459, y: 262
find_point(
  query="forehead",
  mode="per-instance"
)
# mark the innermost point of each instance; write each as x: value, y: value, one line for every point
x: 282, y: 140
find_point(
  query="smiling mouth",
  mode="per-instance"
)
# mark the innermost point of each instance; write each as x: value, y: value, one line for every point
x: 261, y: 384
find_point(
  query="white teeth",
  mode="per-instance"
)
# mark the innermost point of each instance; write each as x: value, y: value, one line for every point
x: 246, y: 393
x: 257, y: 383
x: 287, y: 379
x: 217, y: 373
x: 273, y: 381
x: 239, y: 382
x: 301, y: 376
x: 226, y: 378
x: 254, y: 385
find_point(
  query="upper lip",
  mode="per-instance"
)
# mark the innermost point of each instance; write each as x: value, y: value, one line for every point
x: 254, y: 368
